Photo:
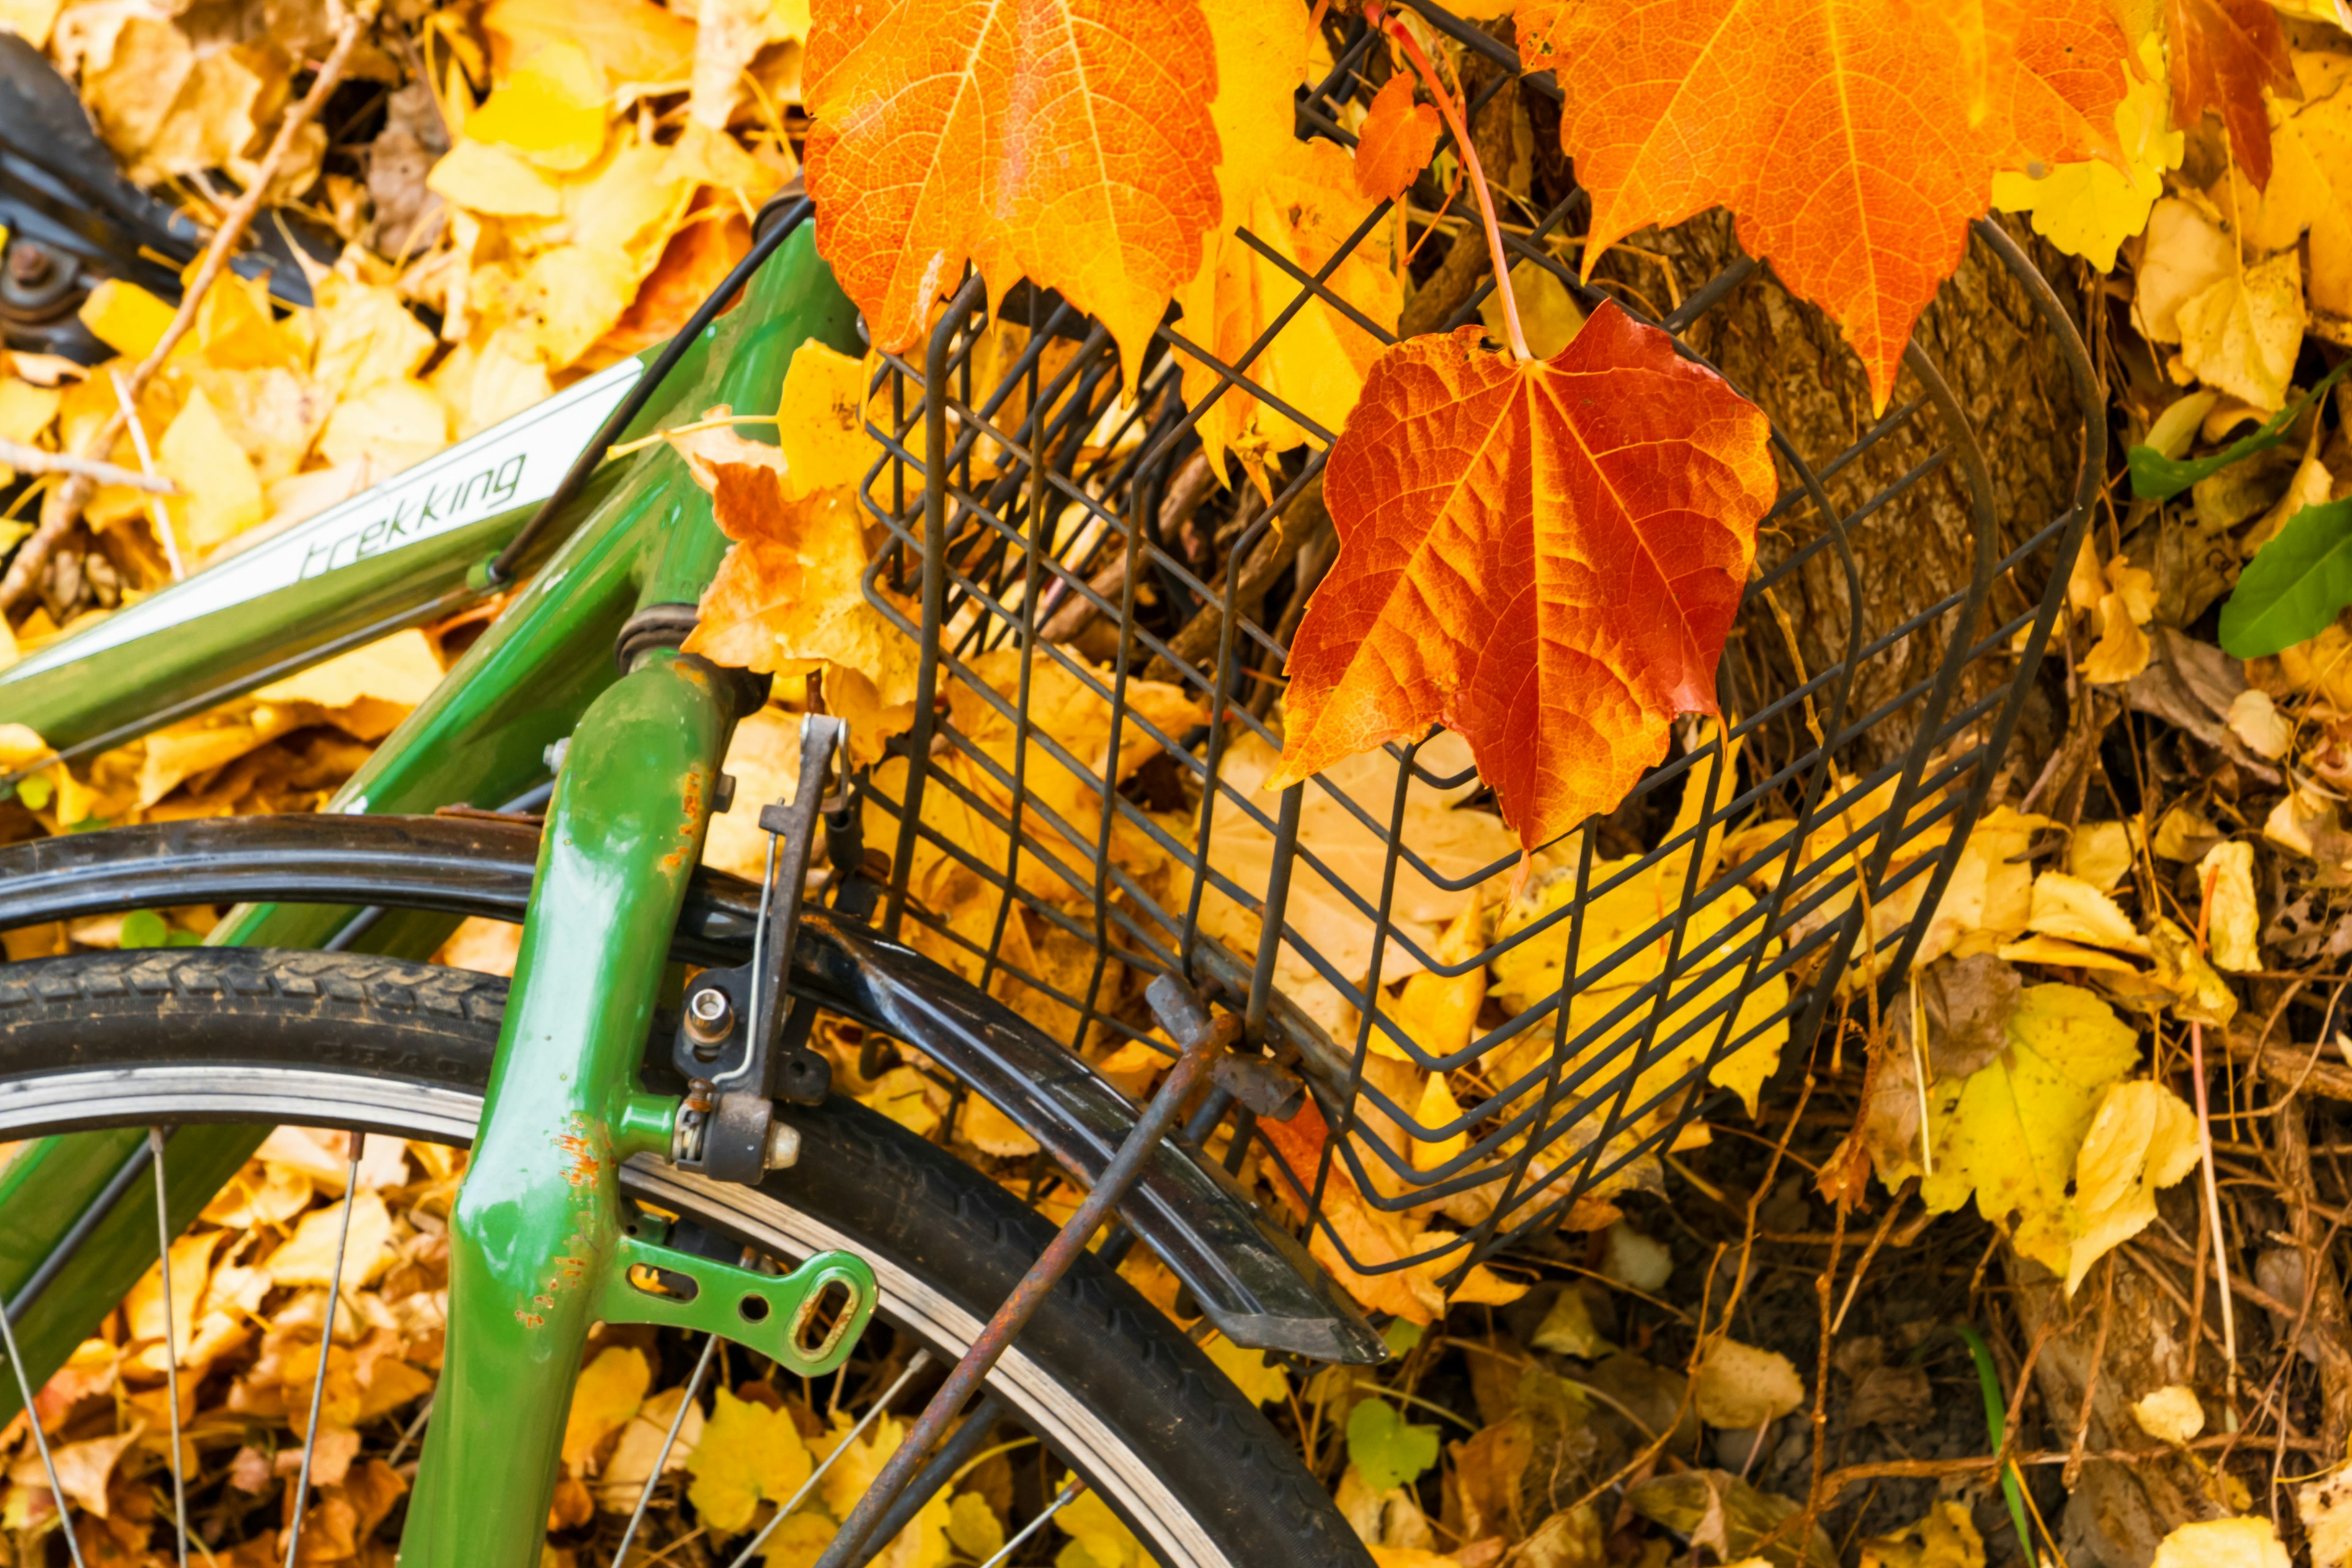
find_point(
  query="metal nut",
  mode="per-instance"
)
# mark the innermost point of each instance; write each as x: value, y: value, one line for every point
x: 784, y: 1147
x: 710, y: 1016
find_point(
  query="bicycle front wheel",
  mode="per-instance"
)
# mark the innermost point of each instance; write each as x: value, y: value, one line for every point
x: 174, y: 1036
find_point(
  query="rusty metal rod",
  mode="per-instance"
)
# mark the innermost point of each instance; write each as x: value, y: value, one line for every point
x: 1028, y: 1296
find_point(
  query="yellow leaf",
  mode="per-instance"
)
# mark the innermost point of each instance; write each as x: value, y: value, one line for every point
x: 1098, y: 1532
x: 2254, y: 718
x: 1305, y: 206
x: 30, y: 19
x: 365, y: 335
x: 632, y: 42
x: 2186, y: 254
x: 749, y: 1453
x: 2088, y: 209
x: 2066, y: 906
x: 2310, y: 189
x: 551, y: 111
x: 2170, y: 1414
x: 2243, y: 333
x: 1991, y: 895
x: 402, y: 668
x: 2203, y: 996
x: 991, y: 1132
x: 798, y: 1542
x: 1260, y: 1381
x: 2234, y: 922
x: 1438, y: 1108
x: 631, y: 202
x: 2325, y: 1506
x: 908, y: 1097
x: 923, y: 1543
x: 390, y: 426
x: 1549, y: 315
x: 821, y: 421
x: 2100, y: 853
x: 308, y: 1258
x: 125, y: 318
x: 569, y: 297
x: 2010, y: 1132
x: 608, y: 1392
x: 1439, y: 1013
x: 1741, y: 1386
x: 492, y: 180
x: 1946, y: 1538
x: 2058, y: 950
x: 221, y: 493
x: 192, y: 1264
x: 2221, y: 1543
x: 2141, y: 1138
x: 973, y: 1527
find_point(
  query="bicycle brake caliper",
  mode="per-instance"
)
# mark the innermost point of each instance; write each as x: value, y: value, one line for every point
x: 744, y: 1043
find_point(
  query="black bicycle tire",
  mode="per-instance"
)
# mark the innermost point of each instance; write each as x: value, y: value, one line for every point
x: 79, y: 1037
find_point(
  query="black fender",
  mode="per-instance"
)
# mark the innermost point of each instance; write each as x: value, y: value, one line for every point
x: 1253, y: 1279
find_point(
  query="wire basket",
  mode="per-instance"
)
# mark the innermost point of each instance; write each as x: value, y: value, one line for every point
x: 1067, y: 819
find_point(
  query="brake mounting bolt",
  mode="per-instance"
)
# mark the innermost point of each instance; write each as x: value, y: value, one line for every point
x: 709, y: 1018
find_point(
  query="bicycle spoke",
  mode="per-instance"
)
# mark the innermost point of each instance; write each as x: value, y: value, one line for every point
x: 40, y: 1438
x: 326, y: 1346
x: 921, y: 1360
x: 155, y: 1140
x: 949, y: 1458
x: 1062, y: 1500
x: 653, y: 1476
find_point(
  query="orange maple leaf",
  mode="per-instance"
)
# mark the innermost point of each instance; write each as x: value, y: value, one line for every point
x: 1394, y: 144
x: 1853, y: 139
x: 1069, y: 140
x: 2224, y: 52
x: 1543, y: 556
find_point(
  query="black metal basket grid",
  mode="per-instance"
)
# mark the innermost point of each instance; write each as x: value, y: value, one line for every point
x: 1827, y: 884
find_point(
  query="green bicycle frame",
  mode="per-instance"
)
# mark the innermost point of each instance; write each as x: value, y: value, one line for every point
x: 542, y: 1247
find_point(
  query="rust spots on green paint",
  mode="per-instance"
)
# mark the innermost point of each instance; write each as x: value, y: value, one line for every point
x: 582, y: 1165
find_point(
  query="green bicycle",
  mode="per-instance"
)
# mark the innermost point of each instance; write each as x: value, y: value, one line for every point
x: 702, y: 1181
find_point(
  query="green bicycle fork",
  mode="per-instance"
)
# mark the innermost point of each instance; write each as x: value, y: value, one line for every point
x: 537, y: 1248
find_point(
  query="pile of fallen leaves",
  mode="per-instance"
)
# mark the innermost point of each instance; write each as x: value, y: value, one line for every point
x: 2041, y: 1262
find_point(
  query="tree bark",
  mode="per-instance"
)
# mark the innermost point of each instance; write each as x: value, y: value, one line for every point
x: 2007, y: 374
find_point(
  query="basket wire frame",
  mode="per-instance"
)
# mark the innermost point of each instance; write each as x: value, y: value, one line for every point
x: 1047, y: 474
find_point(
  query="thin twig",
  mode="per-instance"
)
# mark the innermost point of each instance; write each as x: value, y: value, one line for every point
x: 63, y: 507
x: 30, y: 459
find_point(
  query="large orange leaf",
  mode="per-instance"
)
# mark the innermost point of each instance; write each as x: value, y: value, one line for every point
x: 1069, y: 140
x: 1544, y: 557
x: 1854, y: 139
x: 2224, y: 53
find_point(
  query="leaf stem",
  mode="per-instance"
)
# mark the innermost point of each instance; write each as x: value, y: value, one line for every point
x: 1449, y: 107
x: 2213, y: 1189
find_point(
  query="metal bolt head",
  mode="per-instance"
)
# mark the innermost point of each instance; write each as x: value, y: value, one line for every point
x: 784, y: 1145
x: 710, y: 1016
x: 29, y: 264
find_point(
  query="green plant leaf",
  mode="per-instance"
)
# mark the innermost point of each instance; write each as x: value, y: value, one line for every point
x: 2294, y: 584
x: 2155, y: 477
x: 144, y: 927
x: 1386, y: 1450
